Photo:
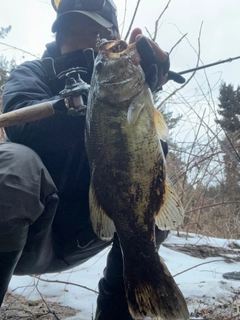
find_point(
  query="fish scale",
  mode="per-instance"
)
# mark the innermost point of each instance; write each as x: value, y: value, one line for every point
x: 129, y: 193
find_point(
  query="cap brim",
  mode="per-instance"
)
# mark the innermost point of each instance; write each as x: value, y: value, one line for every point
x: 96, y: 17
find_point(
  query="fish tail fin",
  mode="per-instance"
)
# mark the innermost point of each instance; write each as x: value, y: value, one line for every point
x: 156, y: 295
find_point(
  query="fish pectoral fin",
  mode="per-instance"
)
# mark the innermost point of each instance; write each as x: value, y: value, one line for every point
x: 103, y: 226
x: 134, y: 109
x: 161, y: 126
x: 171, y: 212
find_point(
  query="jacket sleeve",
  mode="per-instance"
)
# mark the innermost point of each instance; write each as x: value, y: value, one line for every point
x: 28, y: 85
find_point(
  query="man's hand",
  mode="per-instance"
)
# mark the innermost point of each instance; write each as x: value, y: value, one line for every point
x: 154, y: 61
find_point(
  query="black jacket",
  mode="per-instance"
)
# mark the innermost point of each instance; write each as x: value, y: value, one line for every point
x: 59, y: 139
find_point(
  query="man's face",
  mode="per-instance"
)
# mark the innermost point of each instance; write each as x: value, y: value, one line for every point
x: 81, y: 32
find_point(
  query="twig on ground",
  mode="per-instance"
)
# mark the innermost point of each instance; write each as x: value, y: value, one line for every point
x: 65, y: 282
x: 198, y: 265
x: 44, y: 301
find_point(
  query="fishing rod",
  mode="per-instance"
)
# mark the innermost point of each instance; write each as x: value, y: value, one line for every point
x: 177, y: 76
x: 46, y: 109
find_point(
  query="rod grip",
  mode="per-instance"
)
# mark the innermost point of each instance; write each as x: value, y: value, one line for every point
x: 26, y: 114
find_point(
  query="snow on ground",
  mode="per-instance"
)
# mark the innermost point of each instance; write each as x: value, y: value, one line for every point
x: 203, y: 286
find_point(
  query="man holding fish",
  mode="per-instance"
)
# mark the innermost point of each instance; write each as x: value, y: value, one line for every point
x: 45, y: 168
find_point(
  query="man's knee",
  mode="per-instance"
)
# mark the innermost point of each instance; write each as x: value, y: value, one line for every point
x: 25, y: 188
x: 24, y: 166
x: 21, y: 170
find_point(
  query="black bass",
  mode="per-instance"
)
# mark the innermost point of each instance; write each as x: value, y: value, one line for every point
x: 129, y: 193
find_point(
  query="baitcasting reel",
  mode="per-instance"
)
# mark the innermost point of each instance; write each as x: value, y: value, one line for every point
x: 76, y: 90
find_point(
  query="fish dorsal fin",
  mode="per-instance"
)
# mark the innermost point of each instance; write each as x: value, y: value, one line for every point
x: 160, y: 124
x: 103, y: 226
x: 135, y: 108
x: 171, y: 213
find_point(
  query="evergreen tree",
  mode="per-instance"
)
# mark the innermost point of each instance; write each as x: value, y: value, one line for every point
x: 229, y: 108
x: 4, y: 32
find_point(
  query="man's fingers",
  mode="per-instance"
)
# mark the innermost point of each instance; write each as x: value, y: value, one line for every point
x: 146, y: 52
x: 152, y: 76
x: 161, y: 55
x: 176, y: 77
x: 134, y: 34
x: 154, y: 61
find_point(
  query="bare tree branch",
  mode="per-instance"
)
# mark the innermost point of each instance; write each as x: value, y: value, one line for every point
x: 184, y: 85
x: 212, y: 205
x: 157, y: 21
x: 16, y: 48
x: 177, y: 43
x: 133, y: 18
x: 124, y: 17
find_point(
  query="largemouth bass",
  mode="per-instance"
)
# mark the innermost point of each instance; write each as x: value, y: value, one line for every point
x: 129, y: 192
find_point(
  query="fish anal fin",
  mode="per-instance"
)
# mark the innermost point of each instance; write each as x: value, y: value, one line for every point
x: 171, y: 212
x: 103, y: 226
x: 160, y: 124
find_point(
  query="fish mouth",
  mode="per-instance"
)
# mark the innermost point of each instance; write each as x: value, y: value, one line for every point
x: 115, y: 49
x: 116, y: 46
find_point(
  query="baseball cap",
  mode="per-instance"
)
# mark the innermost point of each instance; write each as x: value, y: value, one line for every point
x: 103, y: 12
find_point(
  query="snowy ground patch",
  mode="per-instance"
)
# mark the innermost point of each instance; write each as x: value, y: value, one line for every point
x: 196, y: 262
